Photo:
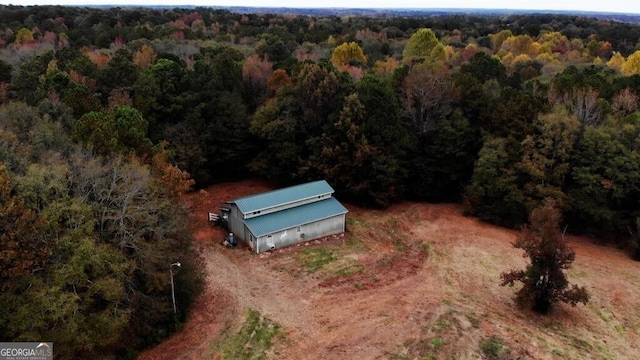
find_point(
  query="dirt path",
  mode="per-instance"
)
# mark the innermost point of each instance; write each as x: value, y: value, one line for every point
x: 429, y: 287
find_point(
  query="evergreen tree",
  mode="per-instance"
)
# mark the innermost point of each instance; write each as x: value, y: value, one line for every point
x: 544, y: 280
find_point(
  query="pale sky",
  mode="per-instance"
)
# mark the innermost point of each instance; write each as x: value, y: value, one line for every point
x: 619, y: 6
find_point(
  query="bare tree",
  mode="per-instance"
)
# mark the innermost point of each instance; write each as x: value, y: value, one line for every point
x: 582, y: 102
x: 625, y: 102
x: 428, y: 94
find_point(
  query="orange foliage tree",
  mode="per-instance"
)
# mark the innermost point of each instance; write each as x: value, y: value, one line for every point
x: 22, y: 249
x: 544, y: 280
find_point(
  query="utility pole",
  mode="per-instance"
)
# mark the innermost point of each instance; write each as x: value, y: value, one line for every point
x: 173, y: 291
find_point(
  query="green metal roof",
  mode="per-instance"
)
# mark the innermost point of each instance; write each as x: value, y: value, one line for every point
x: 297, y: 216
x: 283, y: 196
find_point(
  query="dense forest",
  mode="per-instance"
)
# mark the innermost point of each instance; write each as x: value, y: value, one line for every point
x: 108, y: 115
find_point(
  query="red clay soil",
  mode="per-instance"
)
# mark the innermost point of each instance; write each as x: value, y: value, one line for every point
x: 427, y: 284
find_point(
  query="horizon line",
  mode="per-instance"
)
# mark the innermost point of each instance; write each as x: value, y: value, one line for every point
x: 133, y: 4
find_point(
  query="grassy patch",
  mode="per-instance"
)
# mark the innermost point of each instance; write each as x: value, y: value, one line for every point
x: 607, y: 316
x: 397, y: 236
x: 251, y: 342
x: 492, y: 347
x: 352, y: 221
x: 442, y: 324
x: 442, y: 336
x: 313, y: 259
x: 349, y: 269
x: 578, y: 343
x: 426, y: 247
x: 579, y: 274
x: 436, y: 342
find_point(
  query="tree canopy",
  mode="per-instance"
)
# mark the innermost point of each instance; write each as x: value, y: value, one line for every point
x: 107, y: 115
x: 544, y: 281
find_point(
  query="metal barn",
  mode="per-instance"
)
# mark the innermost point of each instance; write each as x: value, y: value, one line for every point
x: 287, y: 216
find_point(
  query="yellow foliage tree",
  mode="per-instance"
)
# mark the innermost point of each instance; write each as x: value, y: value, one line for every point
x: 553, y: 42
x: 24, y: 36
x: 331, y: 40
x: 521, y: 44
x: 499, y: 38
x: 348, y: 54
x: 522, y: 58
x: 616, y: 61
x: 545, y: 58
x: 144, y: 57
x: 506, y: 59
x: 577, y: 44
x: 424, y: 46
x: 632, y: 65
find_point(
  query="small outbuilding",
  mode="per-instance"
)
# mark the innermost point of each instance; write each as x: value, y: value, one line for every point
x: 287, y: 216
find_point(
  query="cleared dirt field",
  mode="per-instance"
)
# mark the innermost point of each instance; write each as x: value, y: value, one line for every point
x: 415, y: 281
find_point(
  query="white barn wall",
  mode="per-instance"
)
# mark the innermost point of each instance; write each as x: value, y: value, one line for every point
x: 237, y: 226
x: 325, y: 227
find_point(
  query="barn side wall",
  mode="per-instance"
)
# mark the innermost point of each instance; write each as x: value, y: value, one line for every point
x: 238, y: 228
x: 318, y: 229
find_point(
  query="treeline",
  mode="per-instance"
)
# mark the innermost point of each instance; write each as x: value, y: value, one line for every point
x: 87, y: 237
x: 95, y: 27
x: 107, y: 115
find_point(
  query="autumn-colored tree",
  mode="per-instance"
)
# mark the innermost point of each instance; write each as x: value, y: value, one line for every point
x: 520, y: 44
x: 255, y: 74
x: 616, y: 61
x: 582, y: 102
x: 547, y: 155
x: 423, y: 46
x: 24, y: 36
x: 22, y: 248
x: 625, y: 102
x: 172, y: 179
x: 604, y: 50
x: 348, y: 54
x: 428, y: 93
x: 544, y: 280
x: 498, y: 38
x: 554, y: 42
x: 277, y: 80
x: 632, y: 65
x: 384, y: 69
x: 144, y: 57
